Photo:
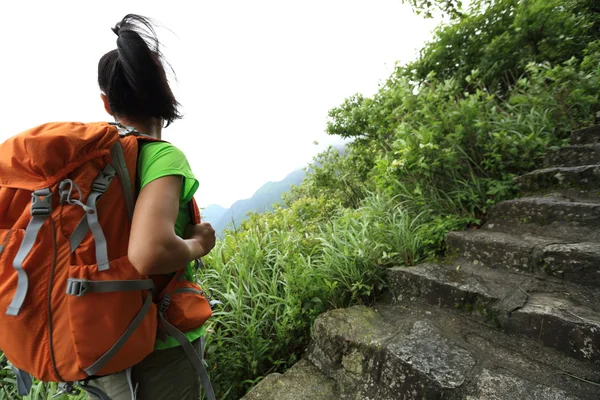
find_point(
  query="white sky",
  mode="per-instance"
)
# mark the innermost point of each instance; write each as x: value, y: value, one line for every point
x: 255, y: 78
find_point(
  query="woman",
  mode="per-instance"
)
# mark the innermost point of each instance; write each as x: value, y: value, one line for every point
x: 135, y: 91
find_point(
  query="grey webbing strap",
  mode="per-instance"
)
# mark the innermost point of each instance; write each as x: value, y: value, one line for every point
x: 99, y: 187
x: 132, y: 389
x: 24, y: 381
x: 196, y: 360
x: 40, y: 210
x: 118, y: 161
x: 101, y: 362
x: 79, y: 233
x: 79, y: 287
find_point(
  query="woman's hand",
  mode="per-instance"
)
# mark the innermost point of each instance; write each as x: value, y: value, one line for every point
x: 204, y: 234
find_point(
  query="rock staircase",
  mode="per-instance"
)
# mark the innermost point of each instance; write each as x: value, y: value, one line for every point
x: 513, y: 312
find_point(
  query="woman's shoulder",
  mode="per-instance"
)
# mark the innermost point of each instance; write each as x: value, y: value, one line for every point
x: 162, y: 153
x: 158, y: 159
x: 152, y: 149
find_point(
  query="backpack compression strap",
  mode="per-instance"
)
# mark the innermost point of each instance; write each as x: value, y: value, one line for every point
x: 119, y: 167
x: 41, y: 208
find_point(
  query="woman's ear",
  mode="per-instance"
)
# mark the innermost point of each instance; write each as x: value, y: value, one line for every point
x: 105, y: 101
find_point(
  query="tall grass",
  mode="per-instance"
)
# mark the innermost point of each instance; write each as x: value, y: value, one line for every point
x: 275, y: 280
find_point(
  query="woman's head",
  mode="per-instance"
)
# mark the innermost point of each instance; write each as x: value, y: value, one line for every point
x: 133, y: 78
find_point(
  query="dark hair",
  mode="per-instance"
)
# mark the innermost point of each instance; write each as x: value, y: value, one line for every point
x: 133, y: 76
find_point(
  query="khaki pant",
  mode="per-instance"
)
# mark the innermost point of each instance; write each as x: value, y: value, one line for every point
x: 163, y: 375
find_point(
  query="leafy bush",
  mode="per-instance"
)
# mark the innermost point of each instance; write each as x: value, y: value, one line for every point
x: 455, y: 151
x: 500, y: 37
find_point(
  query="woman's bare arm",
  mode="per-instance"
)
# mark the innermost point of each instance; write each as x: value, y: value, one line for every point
x: 154, y: 248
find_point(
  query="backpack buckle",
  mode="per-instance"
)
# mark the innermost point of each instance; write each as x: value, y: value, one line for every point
x: 101, y: 183
x: 66, y: 388
x: 103, y: 180
x: 124, y: 130
x: 77, y: 287
x: 41, y: 202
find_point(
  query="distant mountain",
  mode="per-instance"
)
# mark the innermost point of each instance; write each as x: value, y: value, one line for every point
x: 262, y: 201
x: 212, y: 213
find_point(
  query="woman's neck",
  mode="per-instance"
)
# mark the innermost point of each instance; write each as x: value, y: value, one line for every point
x: 152, y: 127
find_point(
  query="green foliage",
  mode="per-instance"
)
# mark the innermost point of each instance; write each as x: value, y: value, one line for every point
x: 446, y: 150
x: 333, y: 175
x: 39, y: 390
x: 453, y: 8
x: 359, y: 242
x: 499, y: 38
x: 275, y: 276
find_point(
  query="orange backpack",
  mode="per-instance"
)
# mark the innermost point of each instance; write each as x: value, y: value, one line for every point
x: 71, y: 304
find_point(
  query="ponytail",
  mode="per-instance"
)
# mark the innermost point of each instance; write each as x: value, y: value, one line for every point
x: 133, y: 76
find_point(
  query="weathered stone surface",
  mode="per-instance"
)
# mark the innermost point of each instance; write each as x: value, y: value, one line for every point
x: 497, y: 249
x: 573, y: 156
x: 544, y: 311
x: 585, y: 177
x: 559, y: 323
x: 302, y: 381
x: 427, y: 353
x: 574, y: 262
x: 497, y: 386
x: 556, y: 216
x: 386, y: 361
x: 574, y: 195
x: 589, y: 135
x: 430, y: 354
x: 348, y: 346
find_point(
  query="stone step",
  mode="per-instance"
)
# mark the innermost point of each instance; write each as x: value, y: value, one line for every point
x: 418, y: 352
x: 544, y: 256
x: 575, y: 195
x: 562, y: 217
x: 301, y: 381
x: 573, y: 156
x: 565, y: 317
x: 584, y: 177
x: 589, y: 135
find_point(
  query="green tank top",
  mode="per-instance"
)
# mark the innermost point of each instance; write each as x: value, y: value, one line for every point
x: 156, y: 160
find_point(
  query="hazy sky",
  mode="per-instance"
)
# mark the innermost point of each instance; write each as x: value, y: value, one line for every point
x: 255, y: 78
